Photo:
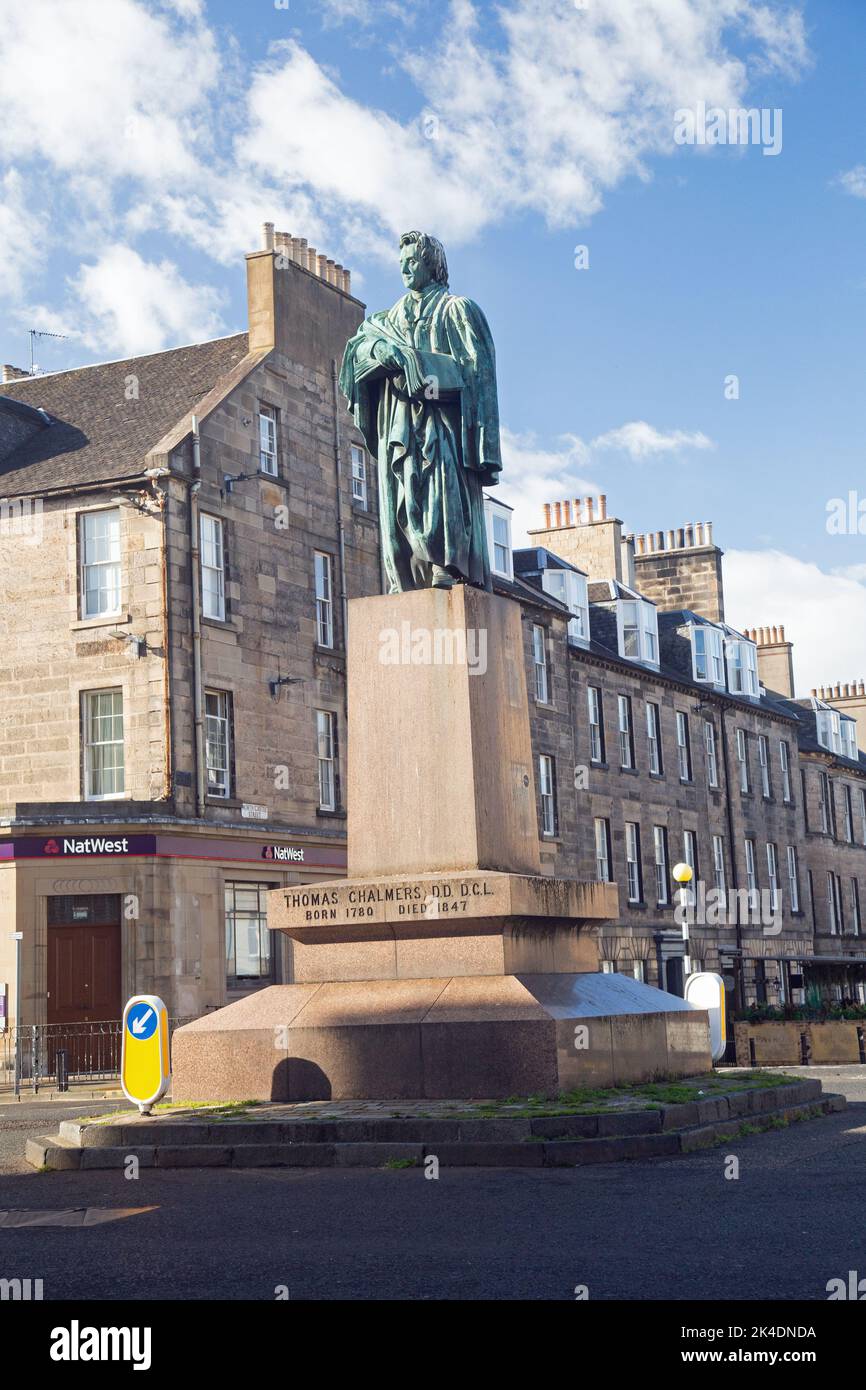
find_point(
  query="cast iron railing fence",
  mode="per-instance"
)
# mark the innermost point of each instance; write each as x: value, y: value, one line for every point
x: 57, y: 1054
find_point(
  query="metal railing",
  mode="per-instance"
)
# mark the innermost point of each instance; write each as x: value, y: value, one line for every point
x: 42, y: 1055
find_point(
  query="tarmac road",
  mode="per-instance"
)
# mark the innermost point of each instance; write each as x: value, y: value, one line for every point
x: 660, y: 1229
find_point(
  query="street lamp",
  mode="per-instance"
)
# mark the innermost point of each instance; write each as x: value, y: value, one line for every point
x: 683, y: 873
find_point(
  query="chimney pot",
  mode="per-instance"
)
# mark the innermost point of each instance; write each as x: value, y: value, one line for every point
x: 557, y: 512
x: 602, y: 507
x: 589, y: 509
x: 567, y: 508
x: 267, y: 236
x: 547, y: 516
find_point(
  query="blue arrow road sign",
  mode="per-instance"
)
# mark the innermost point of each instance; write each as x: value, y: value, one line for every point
x: 141, y: 1021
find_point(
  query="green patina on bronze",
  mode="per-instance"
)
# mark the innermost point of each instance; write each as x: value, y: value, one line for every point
x: 420, y: 379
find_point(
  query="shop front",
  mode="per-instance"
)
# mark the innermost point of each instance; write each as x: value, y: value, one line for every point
x: 178, y: 913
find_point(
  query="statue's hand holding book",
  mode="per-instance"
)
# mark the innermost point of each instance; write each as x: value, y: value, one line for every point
x: 423, y: 375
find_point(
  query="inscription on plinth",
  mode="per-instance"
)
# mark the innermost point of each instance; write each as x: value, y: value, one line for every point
x: 447, y: 899
x: 347, y: 903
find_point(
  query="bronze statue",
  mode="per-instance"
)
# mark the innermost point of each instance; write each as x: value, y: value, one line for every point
x: 420, y: 379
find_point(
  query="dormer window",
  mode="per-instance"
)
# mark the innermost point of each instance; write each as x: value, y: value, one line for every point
x: 569, y: 586
x: 498, y: 519
x: 637, y: 629
x: 836, y: 732
x: 742, y: 662
x: 849, y: 739
x: 707, y: 654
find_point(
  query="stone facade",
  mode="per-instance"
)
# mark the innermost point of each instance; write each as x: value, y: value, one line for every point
x: 759, y: 958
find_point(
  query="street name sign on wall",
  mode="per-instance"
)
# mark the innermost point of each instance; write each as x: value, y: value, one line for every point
x: 144, y: 1060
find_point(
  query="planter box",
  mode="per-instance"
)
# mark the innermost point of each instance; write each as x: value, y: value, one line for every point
x: 781, y: 1044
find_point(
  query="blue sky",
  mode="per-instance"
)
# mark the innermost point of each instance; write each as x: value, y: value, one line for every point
x: 137, y: 168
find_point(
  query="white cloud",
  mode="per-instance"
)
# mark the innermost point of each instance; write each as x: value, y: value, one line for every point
x: 854, y: 181
x: 533, y: 475
x: 22, y: 235
x: 132, y: 306
x: 366, y: 11
x: 824, y: 614
x: 144, y: 120
x: 187, y: 9
x: 640, y: 440
x: 118, y: 90
x: 544, y: 113
x: 303, y: 131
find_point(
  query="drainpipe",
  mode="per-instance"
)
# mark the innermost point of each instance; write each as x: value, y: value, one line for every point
x: 341, y: 529
x: 166, y: 675
x: 739, y: 992
x: 195, y: 561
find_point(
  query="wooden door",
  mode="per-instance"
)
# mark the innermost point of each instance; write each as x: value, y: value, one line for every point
x: 84, y: 973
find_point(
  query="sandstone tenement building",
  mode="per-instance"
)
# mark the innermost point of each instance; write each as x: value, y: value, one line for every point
x: 664, y: 735
x: 180, y: 535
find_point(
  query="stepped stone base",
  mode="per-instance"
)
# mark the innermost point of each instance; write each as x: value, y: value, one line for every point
x: 487, y: 1036
x: 326, y: 1135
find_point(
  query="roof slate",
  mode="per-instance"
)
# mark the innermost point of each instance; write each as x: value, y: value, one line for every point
x: 97, y: 435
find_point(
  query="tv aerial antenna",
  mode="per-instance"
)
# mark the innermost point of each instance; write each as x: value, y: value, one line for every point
x: 40, y: 333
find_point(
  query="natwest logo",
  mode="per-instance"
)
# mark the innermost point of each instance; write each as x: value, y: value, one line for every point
x: 94, y: 844
x: 283, y: 854
x: 52, y: 847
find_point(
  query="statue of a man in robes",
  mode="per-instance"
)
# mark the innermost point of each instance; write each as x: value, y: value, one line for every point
x: 420, y: 379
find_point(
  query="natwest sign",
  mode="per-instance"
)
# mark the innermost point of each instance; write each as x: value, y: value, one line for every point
x: 283, y: 854
x: 96, y: 844
x: 84, y: 846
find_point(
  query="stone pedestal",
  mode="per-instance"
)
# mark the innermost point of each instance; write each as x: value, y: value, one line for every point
x: 446, y: 964
x: 440, y: 757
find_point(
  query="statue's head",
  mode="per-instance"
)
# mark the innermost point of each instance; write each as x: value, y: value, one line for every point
x: 422, y: 261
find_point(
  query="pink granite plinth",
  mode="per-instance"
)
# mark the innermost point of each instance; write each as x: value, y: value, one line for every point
x: 475, y: 1036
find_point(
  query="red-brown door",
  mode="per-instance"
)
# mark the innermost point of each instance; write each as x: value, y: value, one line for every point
x: 84, y: 973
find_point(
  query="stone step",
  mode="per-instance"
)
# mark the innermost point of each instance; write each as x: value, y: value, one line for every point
x: 551, y: 1142
x: 128, y: 1128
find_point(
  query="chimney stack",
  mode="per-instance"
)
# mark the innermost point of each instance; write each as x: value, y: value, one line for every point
x: 681, y: 568
x: 11, y: 373
x: 848, y: 698
x: 580, y: 531
x: 775, y: 658
x: 287, y: 312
